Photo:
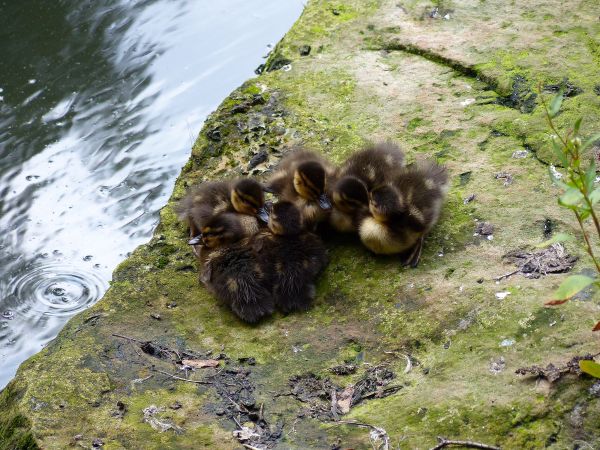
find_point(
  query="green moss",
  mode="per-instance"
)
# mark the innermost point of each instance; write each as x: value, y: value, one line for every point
x: 15, y: 428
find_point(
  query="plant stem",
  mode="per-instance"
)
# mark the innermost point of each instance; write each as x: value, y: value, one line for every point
x: 587, y: 241
x: 594, y: 216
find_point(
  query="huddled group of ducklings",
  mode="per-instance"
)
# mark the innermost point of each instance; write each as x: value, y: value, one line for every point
x: 259, y: 256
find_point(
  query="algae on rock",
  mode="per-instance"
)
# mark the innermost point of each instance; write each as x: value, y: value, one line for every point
x: 377, y: 70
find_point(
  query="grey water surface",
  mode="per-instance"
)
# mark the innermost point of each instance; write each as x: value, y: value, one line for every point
x: 100, y: 102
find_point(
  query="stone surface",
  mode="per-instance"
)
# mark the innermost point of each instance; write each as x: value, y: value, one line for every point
x: 451, y: 80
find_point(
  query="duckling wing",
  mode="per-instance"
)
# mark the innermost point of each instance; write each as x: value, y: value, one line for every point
x: 239, y: 280
x: 297, y: 261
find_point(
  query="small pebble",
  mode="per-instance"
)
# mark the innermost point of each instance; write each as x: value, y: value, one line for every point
x: 520, y: 154
x: 469, y: 199
x: 595, y: 389
x: 155, y: 316
x: 305, y: 50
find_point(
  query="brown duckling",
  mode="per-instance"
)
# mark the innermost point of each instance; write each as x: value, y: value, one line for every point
x: 204, y: 201
x: 302, y: 177
x: 297, y: 257
x: 231, y: 270
x: 359, y: 174
x: 404, y: 210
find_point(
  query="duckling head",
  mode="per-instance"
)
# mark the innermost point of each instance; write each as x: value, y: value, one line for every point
x: 309, y: 183
x: 384, y: 202
x: 222, y: 229
x: 350, y: 194
x: 247, y: 196
x: 285, y: 219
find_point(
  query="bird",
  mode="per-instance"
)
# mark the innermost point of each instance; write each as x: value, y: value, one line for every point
x: 404, y: 210
x: 232, y: 270
x: 296, y: 255
x: 360, y: 173
x: 244, y: 196
x: 302, y: 177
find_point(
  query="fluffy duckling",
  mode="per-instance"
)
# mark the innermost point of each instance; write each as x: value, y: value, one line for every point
x: 361, y: 172
x: 231, y: 270
x: 302, y: 178
x: 297, y: 256
x: 244, y: 196
x: 404, y: 210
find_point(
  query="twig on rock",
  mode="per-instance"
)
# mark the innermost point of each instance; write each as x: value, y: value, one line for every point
x: 249, y: 447
x: 443, y: 442
x: 377, y: 433
x: 334, y: 412
x: 175, y: 377
x: 506, y: 275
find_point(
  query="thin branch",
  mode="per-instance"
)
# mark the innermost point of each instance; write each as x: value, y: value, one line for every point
x: 249, y: 447
x: 128, y: 338
x: 587, y: 241
x: 593, y: 214
x: 175, y: 377
x: 334, y: 412
x: 549, y: 119
x: 506, y: 275
x: 443, y: 442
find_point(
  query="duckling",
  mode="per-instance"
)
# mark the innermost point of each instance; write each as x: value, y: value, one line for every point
x: 297, y: 257
x: 302, y: 178
x: 231, y: 270
x: 404, y: 210
x: 244, y: 196
x: 362, y: 171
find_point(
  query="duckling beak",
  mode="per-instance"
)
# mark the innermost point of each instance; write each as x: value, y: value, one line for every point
x: 324, y: 202
x: 263, y: 214
x: 196, y: 240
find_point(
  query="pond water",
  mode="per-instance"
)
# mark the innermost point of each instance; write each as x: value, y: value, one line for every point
x: 100, y: 102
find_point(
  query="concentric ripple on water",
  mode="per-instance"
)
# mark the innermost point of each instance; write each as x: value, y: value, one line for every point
x: 55, y: 290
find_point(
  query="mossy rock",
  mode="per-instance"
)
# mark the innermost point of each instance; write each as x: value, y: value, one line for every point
x: 377, y: 70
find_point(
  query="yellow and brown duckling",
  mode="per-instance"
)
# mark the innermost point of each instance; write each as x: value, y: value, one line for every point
x: 359, y: 174
x: 244, y: 196
x: 404, y: 210
x: 231, y: 269
x: 296, y: 255
x: 302, y: 178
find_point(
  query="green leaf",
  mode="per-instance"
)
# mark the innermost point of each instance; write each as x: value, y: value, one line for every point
x: 571, y: 286
x: 590, y: 141
x: 577, y: 127
x: 590, y: 367
x: 590, y: 177
x: 560, y: 237
x: 595, y: 196
x: 555, y: 104
x: 584, y: 213
x: 559, y: 151
x: 571, y: 198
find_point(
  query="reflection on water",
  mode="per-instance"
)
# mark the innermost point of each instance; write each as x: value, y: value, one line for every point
x: 99, y: 105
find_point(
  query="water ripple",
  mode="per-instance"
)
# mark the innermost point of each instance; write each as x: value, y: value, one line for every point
x: 55, y: 289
